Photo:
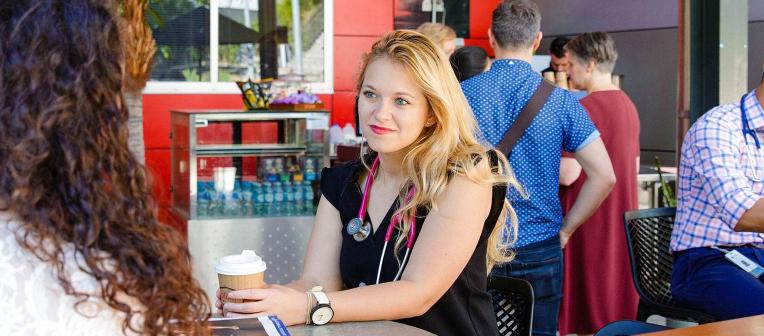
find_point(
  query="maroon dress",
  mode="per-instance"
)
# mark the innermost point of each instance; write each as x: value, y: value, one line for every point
x: 597, y: 283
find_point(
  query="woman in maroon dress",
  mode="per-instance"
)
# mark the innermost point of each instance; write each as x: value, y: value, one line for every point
x: 597, y: 285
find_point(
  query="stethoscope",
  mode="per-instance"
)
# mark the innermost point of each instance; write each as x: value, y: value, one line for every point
x: 361, y: 230
x: 748, y: 131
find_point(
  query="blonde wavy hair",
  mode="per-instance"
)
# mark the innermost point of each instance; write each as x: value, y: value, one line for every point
x: 437, y: 32
x: 448, y: 148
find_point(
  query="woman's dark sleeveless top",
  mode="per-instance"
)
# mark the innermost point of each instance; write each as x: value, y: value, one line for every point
x: 465, y: 309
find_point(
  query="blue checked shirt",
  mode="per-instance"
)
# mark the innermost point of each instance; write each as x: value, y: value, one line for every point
x: 496, y: 98
x: 720, y: 178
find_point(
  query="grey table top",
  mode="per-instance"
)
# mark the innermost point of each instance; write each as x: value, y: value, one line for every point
x: 252, y: 327
x: 381, y: 328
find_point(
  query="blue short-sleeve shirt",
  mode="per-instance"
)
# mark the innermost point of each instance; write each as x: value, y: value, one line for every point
x: 497, y: 97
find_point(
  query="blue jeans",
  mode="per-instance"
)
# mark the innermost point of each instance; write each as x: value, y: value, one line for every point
x: 540, y: 264
x: 704, y: 280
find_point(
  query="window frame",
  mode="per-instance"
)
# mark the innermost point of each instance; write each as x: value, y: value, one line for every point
x: 213, y: 86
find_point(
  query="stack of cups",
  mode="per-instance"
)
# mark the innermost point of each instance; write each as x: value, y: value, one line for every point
x: 240, y: 271
x: 217, y: 177
x: 229, y: 178
x: 225, y: 178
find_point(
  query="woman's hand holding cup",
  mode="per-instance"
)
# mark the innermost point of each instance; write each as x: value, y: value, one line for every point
x: 288, y: 304
x: 239, y: 271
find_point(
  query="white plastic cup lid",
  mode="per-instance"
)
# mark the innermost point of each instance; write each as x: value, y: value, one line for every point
x: 240, y: 264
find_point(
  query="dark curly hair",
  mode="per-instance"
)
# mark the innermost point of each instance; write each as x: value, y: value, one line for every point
x: 66, y: 174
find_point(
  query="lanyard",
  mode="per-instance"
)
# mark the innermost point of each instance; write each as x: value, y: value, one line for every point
x: 360, y: 230
x: 747, y: 129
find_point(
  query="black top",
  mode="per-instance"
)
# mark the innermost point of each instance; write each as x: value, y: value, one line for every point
x: 465, y: 309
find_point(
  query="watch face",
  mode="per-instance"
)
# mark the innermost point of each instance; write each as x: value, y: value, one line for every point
x: 322, y: 315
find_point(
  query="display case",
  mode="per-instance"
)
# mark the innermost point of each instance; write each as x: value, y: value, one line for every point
x: 247, y: 180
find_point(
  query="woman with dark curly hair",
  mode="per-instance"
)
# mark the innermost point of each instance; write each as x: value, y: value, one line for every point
x: 81, y: 252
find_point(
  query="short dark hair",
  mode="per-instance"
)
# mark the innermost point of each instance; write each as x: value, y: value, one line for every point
x: 597, y: 47
x: 468, y: 61
x: 557, y: 48
x: 515, y: 23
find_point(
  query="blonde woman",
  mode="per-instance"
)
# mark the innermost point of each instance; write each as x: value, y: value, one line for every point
x: 443, y: 36
x: 423, y: 158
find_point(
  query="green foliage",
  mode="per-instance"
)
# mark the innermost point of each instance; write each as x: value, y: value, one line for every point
x: 668, y: 193
x: 191, y: 75
x: 225, y: 76
x: 162, y: 11
x: 227, y: 53
x: 284, y: 13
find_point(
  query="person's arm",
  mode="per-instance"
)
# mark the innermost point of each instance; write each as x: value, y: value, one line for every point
x: 600, y: 179
x: 718, y: 166
x: 445, y: 244
x: 753, y: 219
x: 321, y: 263
x: 570, y: 170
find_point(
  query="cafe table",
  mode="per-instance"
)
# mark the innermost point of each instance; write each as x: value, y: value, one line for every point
x: 252, y: 327
x: 380, y: 328
x: 747, y: 326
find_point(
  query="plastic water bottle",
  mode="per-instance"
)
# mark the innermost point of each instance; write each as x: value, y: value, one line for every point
x: 288, y: 199
x: 258, y: 197
x: 310, y: 170
x: 201, y: 187
x: 335, y: 134
x: 308, y: 190
x: 245, y: 199
x: 299, y: 206
x: 348, y: 133
x: 231, y: 204
x: 268, y: 199
x: 278, y: 199
x: 202, y: 203
x: 217, y: 203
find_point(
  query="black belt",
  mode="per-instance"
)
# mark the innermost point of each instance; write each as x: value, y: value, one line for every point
x: 728, y: 247
x: 749, y: 245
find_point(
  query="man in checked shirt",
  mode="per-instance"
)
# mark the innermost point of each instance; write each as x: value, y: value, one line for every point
x: 720, y: 212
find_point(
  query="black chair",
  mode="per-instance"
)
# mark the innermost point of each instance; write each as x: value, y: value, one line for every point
x: 648, y: 235
x: 513, y: 305
x: 627, y: 327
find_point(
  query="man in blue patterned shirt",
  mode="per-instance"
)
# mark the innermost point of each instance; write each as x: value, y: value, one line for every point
x: 497, y: 97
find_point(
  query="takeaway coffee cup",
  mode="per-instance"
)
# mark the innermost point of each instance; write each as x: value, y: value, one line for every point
x: 561, y: 79
x: 240, y: 271
x: 549, y: 75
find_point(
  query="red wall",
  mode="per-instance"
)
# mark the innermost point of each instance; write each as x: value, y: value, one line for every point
x: 357, y: 24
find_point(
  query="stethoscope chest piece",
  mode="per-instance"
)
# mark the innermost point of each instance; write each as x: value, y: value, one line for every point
x: 358, y: 229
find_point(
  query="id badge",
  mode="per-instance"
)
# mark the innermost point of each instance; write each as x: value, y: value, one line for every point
x: 745, y: 263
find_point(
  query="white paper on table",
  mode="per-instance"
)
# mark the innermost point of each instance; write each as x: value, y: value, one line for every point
x: 272, y: 325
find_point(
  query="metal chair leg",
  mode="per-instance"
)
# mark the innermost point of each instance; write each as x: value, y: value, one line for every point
x: 642, y: 312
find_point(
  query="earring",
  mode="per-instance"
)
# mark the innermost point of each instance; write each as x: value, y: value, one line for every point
x: 429, y: 123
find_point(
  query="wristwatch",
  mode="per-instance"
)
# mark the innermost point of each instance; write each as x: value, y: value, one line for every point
x: 322, y: 312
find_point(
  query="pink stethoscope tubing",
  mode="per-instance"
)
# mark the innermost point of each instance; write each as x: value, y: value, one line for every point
x: 395, y: 220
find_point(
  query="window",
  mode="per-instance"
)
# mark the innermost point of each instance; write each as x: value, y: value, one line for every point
x: 203, y: 46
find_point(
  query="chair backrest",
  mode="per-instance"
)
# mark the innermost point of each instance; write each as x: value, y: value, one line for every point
x: 627, y: 327
x: 513, y: 305
x: 648, y: 234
